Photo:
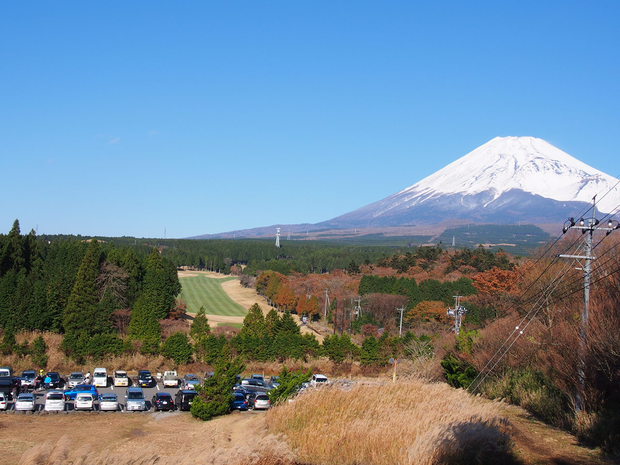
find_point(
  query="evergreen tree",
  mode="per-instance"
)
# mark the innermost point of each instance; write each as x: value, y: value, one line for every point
x: 215, y: 396
x: 39, y: 353
x: 80, y: 318
x: 254, y: 322
x: 178, y: 348
x: 288, y: 324
x: 272, y: 323
x: 371, y: 352
x: 200, y: 326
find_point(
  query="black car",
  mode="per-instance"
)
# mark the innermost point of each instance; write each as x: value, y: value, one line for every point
x: 145, y: 379
x: 53, y: 380
x: 184, y: 399
x: 163, y: 401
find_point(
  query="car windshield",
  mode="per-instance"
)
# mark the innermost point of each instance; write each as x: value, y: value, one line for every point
x: 28, y: 374
x: 262, y: 397
x: 25, y: 397
x: 109, y: 398
x: 76, y: 376
x: 83, y: 387
x: 85, y: 397
x: 54, y: 376
x: 121, y: 375
x: 135, y: 396
x: 55, y: 396
x: 100, y: 375
x: 239, y: 397
x: 164, y: 396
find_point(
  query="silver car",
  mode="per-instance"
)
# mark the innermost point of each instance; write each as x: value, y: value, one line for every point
x: 75, y: 378
x: 108, y: 402
x: 135, y: 399
x: 25, y: 402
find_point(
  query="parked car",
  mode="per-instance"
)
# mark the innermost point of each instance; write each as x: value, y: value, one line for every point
x: 274, y: 381
x: 163, y: 401
x: 27, y: 379
x: 25, y: 401
x: 55, y: 381
x: 190, y: 381
x: 135, y: 399
x: 184, y: 399
x: 81, y: 388
x: 258, y: 377
x: 171, y: 379
x: 239, y: 402
x: 54, y: 401
x: 108, y: 402
x: 6, y: 371
x: 145, y: 379
x: 85, y: 401
x: 75, y: 378
x: 121, y: 379
x: 252, y: 382
x: 100, y: 377
x: 261, y: 402
x: 4, y: 401
x: 318, y: 380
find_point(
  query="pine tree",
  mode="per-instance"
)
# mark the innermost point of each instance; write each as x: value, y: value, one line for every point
x: 272, y: 323
x: 371, y: 352
x: 178, y: 348
x: 254, y: 322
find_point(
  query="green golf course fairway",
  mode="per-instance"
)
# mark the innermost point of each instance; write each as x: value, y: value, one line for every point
x: 200, y: 291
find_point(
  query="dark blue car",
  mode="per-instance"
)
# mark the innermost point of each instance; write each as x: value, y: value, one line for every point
x: 70, y: 394
x: 239, y: 402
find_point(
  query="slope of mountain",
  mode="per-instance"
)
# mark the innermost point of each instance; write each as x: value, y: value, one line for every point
x: 506, y: 180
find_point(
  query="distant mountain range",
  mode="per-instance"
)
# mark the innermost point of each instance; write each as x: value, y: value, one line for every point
x: 508, y: 180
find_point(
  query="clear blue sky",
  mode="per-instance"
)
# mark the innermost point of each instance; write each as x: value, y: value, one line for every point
x: 125, y: 118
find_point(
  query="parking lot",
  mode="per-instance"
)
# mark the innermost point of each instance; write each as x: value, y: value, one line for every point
x: 121, y: 392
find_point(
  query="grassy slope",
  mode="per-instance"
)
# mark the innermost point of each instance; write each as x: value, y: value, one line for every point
x: 208, y: 292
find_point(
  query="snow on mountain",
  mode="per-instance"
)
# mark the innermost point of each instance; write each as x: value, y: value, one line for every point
x: 508, y: 179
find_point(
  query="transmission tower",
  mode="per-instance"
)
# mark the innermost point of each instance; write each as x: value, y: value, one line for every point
x: 457, y: 312
x: 326, y: 306
x: 357, y: 310
x: 587, y: 226
x: 278, y: 238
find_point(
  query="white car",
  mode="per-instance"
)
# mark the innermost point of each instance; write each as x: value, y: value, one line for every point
x: 319, y: 380
x: 84, y: 401
x: 54, y: 401
x: 100, y: 377
x: 24, y: 402
x: 121, y: 379
x: 108, y: 402
x: 171, y: 379
x: 4, y: 401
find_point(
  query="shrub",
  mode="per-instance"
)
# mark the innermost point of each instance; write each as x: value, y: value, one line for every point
x: 178, y: 348
x: 290, y: 383
x: 459, y: 373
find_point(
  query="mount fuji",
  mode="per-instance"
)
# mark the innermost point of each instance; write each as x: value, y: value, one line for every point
x: 507, y: 180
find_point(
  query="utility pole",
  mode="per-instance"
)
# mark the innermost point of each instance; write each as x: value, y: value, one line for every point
x: 457, y: 312
x: 400, y: 327
x: 587, y: 226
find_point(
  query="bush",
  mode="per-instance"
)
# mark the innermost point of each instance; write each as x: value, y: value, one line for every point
x: 178, y: 348
x: 290, y: 383
x: 534, y: 392
x: 459, y: 373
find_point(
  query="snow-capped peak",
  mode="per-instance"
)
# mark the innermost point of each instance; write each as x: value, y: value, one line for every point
x: 504, y: 163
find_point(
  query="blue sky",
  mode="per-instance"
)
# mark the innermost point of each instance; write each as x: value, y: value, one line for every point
x: 128, y: 118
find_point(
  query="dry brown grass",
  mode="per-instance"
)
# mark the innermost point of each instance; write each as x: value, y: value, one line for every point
x: 410, y: 422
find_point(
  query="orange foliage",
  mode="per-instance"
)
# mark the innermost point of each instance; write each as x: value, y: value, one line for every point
x: 285, y: 298
x: 428, y: 310
x: 496, y: 281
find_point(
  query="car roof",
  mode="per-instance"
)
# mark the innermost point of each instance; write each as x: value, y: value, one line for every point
x: 120, y: 371
x: 144, y: 371
x: 134, y: 388
x: 25, y: 395
x: 189, y: 391
x: 109, y: 394
x: 163, y: 394
x: 77, y: 373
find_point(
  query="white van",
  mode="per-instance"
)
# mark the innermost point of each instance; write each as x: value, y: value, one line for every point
x: 100, y: 377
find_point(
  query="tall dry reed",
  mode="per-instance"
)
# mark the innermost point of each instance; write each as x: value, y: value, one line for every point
x: 410, y: 422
